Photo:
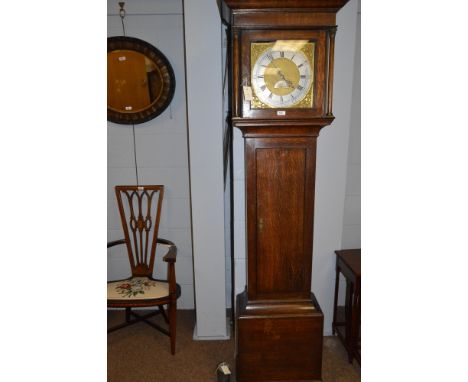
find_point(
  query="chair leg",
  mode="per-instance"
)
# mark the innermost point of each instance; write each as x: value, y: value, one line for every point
x: 172, y: 324
x: 128, y: 314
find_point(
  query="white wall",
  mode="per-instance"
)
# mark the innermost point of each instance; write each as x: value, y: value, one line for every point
x: 227, y: 136
x: 203, y: 52
x: 352, y: 209
x: 161, y: 144
x: 332, y: 157
x: 351, y: 236
x: 240, y: 252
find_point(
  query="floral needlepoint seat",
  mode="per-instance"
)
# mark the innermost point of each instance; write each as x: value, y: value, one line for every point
x: 140, y: 211
x: 137, y: 288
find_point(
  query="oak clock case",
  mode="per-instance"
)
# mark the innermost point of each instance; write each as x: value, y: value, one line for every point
x: 140, y: 81
x: 278, y: 315
x: 282, y: 58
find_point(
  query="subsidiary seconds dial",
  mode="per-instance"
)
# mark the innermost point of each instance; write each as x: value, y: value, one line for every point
x: 282, y: 78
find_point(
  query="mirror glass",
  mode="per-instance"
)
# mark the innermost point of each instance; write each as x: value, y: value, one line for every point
x: 140, y: 81
x: 134, y: 81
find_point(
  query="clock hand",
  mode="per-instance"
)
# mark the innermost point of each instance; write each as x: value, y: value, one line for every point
x: 285, y: 80
x: 280, y: 73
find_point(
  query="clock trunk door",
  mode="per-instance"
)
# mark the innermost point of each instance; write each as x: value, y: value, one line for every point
x: 280, y: 176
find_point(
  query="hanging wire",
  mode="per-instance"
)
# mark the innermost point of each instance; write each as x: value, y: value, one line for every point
x: 122, y: 17
x: 135, y: 155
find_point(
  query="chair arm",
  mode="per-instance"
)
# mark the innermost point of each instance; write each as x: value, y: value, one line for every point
x: 170, y: 258
x: 164, y: 241
x: 115, y: 242
x: 171, y: 255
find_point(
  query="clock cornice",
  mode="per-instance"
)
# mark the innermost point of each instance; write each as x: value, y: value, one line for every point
x: 245, y: 14
x: 313, y: 5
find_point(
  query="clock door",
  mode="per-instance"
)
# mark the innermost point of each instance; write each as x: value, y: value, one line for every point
x: 280, y: 180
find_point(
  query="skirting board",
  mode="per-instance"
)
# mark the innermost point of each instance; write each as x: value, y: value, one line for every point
x: 144, y: 308
x: 196, y: 338
x: 213, y: 338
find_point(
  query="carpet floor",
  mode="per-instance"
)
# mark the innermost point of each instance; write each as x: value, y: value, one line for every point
x: 140, y: 353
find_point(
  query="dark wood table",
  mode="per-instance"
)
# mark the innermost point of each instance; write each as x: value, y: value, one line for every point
x: 347, y: 318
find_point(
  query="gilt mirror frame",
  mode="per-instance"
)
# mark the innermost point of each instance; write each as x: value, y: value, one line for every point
x: 165, y: 73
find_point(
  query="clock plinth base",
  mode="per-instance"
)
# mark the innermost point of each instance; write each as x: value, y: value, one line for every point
x: 279, y: 340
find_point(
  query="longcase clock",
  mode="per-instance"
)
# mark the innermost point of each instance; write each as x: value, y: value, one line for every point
x: 281, y: 91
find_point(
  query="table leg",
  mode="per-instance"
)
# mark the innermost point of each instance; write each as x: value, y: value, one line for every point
x: 335, y: 304
x: 349, y: 318
x: 355, y: 319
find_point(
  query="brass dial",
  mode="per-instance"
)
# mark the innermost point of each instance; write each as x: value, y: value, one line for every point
x: 282, y: 74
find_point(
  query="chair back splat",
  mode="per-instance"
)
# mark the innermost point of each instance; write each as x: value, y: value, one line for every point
x: 140, y: 211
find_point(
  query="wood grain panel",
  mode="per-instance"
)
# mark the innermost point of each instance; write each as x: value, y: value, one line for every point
x: 280, y: 349
x: 280, y: 219
x: 285, y: 19
x: 280, y: 173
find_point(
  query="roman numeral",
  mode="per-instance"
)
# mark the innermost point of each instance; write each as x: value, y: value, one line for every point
x: 301, y: 65
x: 263, y: 87
x: 281, y: 99
x: 282, y: 54
x: 271, y: 95
x: 269, y: 56
x: 303, y: 76
x: 300, y: 87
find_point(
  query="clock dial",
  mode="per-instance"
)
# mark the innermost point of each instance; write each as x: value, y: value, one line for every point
x: 282, y: 74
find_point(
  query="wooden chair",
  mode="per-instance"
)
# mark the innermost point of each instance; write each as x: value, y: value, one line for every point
x: 140, y: 211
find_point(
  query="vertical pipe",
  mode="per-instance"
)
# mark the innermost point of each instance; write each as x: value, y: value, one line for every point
x: 331, y: 59
x: 235, y: 74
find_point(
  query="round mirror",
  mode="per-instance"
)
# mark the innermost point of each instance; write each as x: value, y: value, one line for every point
x: 140, y: 81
